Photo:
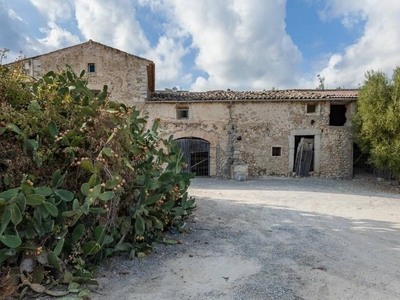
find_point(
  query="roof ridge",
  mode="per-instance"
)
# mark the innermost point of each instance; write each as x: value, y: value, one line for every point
x: 271, y: 95
x: 83, y: 43
x: 262, y: 91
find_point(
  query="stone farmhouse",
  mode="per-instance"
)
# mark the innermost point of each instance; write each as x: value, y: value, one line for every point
x: 128, y: 77
x: 230, y: 134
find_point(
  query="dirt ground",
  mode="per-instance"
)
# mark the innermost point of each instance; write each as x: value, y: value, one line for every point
x: 274, y: 238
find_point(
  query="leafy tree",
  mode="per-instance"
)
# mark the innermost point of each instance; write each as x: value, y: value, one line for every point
x: 377, y: 121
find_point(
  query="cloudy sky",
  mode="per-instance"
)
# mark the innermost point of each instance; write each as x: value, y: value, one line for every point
x: 219, y: 44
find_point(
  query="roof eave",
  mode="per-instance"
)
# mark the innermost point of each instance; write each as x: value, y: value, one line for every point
x: 343, y: 99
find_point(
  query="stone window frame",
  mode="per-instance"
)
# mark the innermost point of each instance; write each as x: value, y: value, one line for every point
x: 317, y: 108
x: 278, y: 148
x: 182, y: 112
x: 317, y: 146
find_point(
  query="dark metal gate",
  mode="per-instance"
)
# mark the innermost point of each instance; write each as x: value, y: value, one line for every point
x: 360, y: 162
x: 197, y: 153
x: 361, y: 165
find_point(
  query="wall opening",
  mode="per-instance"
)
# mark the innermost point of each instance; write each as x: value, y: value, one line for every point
x: 337, y: 117
x: 276, y: 151
x: 360, y: 161
x: 313, y: 133
x: 362, y: 167
x: 200, y: 163
x: 91, y: 68
x: 311, y: 108
x: 197, y: 154
x: 297, y: 140
x: 182, y: 113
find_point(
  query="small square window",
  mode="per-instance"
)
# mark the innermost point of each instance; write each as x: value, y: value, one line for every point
x: 182, y: 113
x: 91, y: 68
x: 276, y: 151
x: 311, y: 108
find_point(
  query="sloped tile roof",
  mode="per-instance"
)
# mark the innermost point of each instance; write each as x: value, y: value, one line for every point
x: 266, y: 95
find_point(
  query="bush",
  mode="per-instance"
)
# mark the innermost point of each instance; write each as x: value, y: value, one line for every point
x: 81, y: 178
x: 377, y: 121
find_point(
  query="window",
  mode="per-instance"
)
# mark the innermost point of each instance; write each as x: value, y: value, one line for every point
x: 182, y: 113
x: 276, y: 151
x: 91, y: 68
x: 311, y: 108
x: 337, y: 117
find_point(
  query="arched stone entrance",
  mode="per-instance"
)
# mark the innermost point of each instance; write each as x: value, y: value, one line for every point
x: 200, y: 134
x: 197, y: 153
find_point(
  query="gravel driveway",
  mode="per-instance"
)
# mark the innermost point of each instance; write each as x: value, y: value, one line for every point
x: 274, y: 238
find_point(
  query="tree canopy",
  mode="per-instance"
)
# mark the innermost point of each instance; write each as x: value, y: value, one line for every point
x: 377, y: 122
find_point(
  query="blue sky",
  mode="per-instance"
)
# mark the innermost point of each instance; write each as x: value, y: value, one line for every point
x: 219, y: 44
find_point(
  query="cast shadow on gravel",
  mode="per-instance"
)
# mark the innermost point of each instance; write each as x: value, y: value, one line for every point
x: 276, y: 217
x: 282, y: 241
x: 286, y: 240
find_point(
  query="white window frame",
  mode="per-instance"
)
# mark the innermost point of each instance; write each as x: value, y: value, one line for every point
x: 180, y: 109
x: 316, y: 112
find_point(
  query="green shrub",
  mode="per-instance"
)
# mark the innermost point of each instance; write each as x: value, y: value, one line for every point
x: 81, y: 178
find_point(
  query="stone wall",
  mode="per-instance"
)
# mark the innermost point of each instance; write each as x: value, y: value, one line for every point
x: 125, y: 74
x: 261, y: 126
x: 337, y: 146
x: 251, y: 129
x: 208, y: 121
x: 337, y: 153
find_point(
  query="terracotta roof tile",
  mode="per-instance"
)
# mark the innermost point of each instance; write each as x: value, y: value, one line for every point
x: 266, y: 95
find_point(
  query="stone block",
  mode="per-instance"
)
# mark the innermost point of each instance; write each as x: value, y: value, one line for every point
x: 240, y: 177
x: 239, y: 172
x: 241, y: 169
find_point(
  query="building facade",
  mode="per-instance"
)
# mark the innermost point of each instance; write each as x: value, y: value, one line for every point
x: 130, y: 78
x: 224, y: 133
x: 262, y: 130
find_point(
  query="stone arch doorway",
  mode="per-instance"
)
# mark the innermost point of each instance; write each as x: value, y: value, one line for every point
x: 197, y: 153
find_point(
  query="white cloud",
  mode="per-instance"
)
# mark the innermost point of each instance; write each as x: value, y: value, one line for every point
x: 57, y: 38
x: 237, y: 44
x: 377, y: 48
x: 13, y: 15
x: 155, y: 5
x: 13, y: 37
x: 112, y: 22
x: 167, y: 56
x: 241, y: 44
x: 54, y: 10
